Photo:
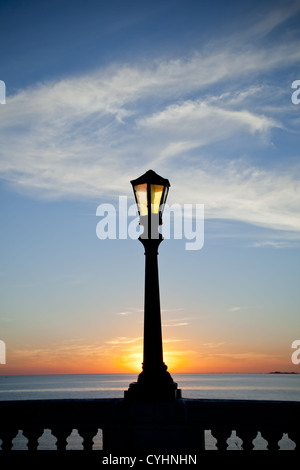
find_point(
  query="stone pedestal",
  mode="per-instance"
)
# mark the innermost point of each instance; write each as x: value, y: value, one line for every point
x: 154, y: 427
x: 156, y: 385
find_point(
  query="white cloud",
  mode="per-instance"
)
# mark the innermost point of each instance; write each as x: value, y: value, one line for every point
x: 193, y: 120
x: 175, y: 322
x: 239, y: 192
x: 88, y: 136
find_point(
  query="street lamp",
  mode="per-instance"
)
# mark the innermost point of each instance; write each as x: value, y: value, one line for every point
x: 150, y: 191
x: 154, y: 382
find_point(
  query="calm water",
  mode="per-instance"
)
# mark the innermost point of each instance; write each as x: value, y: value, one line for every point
x: 230, y: 386
x: 236, y: 386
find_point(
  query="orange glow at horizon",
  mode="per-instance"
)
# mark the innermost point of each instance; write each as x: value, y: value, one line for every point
x: 127, y: 357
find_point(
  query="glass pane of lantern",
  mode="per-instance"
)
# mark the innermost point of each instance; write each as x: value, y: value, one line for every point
x: 156, y: 194
x: 164, y: 198
x: 141, y: 197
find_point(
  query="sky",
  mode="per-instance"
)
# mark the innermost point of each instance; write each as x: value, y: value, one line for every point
x: 99, y: 92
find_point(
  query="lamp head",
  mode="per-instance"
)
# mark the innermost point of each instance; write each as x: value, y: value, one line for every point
x: 150, y: 191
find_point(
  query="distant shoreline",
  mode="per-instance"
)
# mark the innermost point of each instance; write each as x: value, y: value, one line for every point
x: 277, y: 372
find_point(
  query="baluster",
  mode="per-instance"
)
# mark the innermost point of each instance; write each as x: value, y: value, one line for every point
x: 295, y: 437
x: 32, y: 435
x: 7, y: 436
x: 61, y: 435
x: 273, y: 437
x: 87, y: 434
x: 247, y: 436
x: 221, y: 435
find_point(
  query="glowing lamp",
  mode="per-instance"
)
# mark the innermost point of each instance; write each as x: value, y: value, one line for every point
x: 150, y: 191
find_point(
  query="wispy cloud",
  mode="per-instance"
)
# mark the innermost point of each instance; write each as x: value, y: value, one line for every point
x: 175, y: 322
x: 184, y: 120
x: 238, y: 308
x: 59, y: 351
x: 277, y: 244
x: 87, y: 136
x: 234, y: 309
x: 75, y: 354
x: 173, y: 319
x: 123, y: 340
x: 272, y: 19
x: 130, y: 311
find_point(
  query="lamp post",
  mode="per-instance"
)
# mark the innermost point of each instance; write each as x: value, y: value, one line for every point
x: 154, y: 382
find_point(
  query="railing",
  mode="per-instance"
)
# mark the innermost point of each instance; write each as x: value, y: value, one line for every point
x: 174, y: 427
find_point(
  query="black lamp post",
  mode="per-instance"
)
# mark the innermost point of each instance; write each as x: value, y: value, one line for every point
x: 154, y: 382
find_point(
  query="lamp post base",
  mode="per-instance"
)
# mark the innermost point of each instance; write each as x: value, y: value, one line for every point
x: 153, y: 386
x: 139, y: 393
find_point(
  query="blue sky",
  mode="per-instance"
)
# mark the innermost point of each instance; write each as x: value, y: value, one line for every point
x: 96, y: 94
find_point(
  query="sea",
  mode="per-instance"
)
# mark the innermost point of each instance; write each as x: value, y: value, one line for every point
x: 274, y: 386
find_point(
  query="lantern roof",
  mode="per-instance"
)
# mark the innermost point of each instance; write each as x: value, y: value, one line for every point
x: 152, y: 178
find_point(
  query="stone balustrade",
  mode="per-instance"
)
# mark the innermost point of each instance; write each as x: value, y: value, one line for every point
x: 177, y: 426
